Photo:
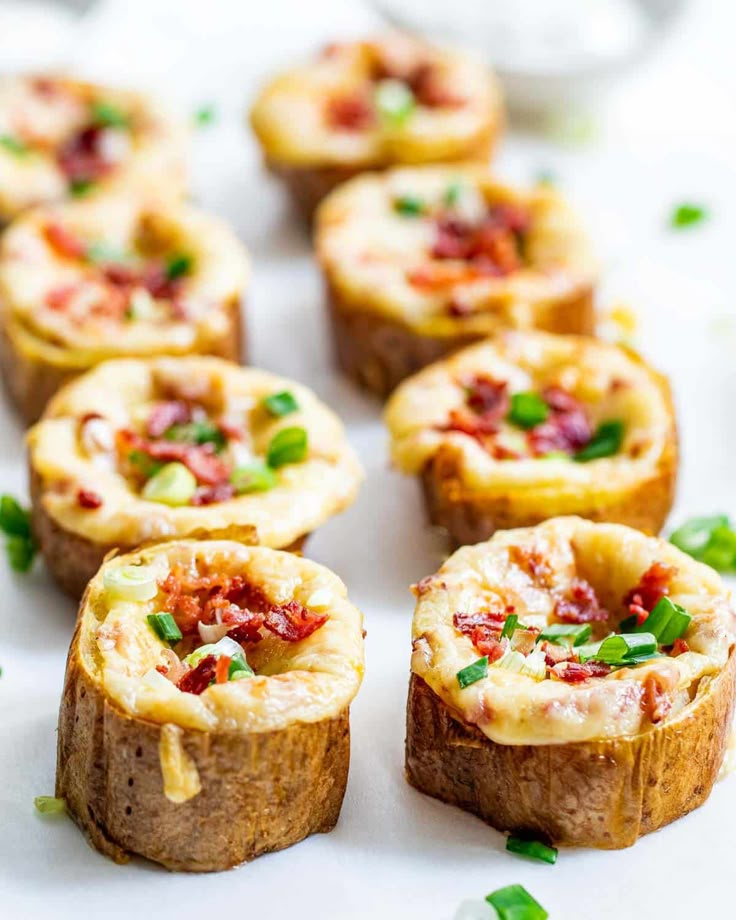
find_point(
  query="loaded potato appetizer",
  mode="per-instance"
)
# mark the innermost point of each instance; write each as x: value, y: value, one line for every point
x: 204, y: 719
x: 113, y: 277
x: 419, y: 262
x: 62, y: 138
x: 528, y: 425
x: 146, y: 450
x: 573, y: 681
x: 372, y: 104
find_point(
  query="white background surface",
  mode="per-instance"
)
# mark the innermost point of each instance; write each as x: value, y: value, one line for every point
x: 667, y: 136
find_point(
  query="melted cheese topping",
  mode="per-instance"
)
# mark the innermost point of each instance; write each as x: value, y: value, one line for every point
x: 305, y: 494
x: 289, y: 115
x: 511, y: 708
x: 305, y: 681
x: 79, y: 335
x: 39, y: 114
x: 368, y: 251
x: 611, y: 382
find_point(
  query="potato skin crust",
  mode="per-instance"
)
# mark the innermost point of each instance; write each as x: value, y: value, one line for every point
x: 31, y: 382
x: 604, y: 794
x: 260, y: 792
x: 378, y: 352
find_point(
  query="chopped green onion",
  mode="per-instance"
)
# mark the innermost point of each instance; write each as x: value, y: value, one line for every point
x: 21, y: 552
x: 558, y: 633
x: 534, y: 849
x: 253, y: 477
x: 509, y: 626
x: 49, y: 805
x: 205, y: 115
x: 473, y: 672
x: 287, y: 446
x: 14, y: 519
x: 667, y: 622
x: 164, y: 625
x: 172, y: 485
x: 720, y: 553
x: 409, y: 205
x: 226, y: 646
x: 710, y: 537
x: 131, y: 582
x: 103, y: 253
x: 13, y: 145
x: 395, y: 102
x: 108, y: 115
x: 620, y: 650
x: 515, y: 903
x: 197, y: 433
x: 452, y: 195
x: 280, y: 404
x: 528, y: 410
x: 687, y: 214
x: 239, y: 668
x: 605, y: 442
x: 179, y: 266
x: 147, y: 465
x: 80, y: 187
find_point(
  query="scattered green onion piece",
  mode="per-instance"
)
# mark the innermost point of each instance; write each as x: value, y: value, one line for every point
x: 178, y: 267
x: 103, y: 253
x: 131, y: 582
x: 21, y: 552
x: 205, y: 115
x: 620, y: 650
x: 606, y: 442
x: 687, y: 214
x: 509, y: 626
x: 13, y: 145
x: 108, y: 115
x: 534, y: 849
x: 15, y: 521
x: 147, y: 465
x: 473, y: 672
x: 667, y: 622
x: 555, y: 455
x: 452, y: 195
x: 515, y: 903
x: 172, y: 485
x: 197, y: 433
x: 560, y: 633
x: 239, y: 669
x: 253, y: 477
x: 164, y: 625
x: 395, y: 102
x: 409, y: 205
x: 280, y: 404
x: 80, y: 187
x: 49, y: 805
x: 528, y: 410
x: 226, y: 646
x: 287, y: 446
x: 693, y: 536
x: 720, y: 554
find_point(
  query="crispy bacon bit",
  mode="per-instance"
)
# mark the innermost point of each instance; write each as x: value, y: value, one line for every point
x: 59, y: 298
x: 555, y: 654
x: 63, y: 241
x: 349, y: 113
x: 173, y: 668
x: 430, y: 89
x: 293, y: 622
x: 532, y: 561
x: 566, y: 429
x: 436, y: 276
x: 488, y: 402
x: 679, y: 647
x: 655, y: 702
x: 198, y: 679
x: 82, y: 157
x: 493, y: 246
x: 213, y: 598
x: 86, y: 498
x: 457, y: 307
x: 200, y: 459
x: 165, y: 414
x: 573, y: 672
x: 580, y: 604
x: 483, y: 628
x: 222, y: 669
x: 210, y: 495
x: 653, y: 586
x: 426, y: 584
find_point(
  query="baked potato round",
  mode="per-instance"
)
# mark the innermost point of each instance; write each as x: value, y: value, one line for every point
x: 528, y: 426
x: 147, y: 450
x: 204, y: 719
x: 372, y: 104
x: 420, y: 262
x: 62, y: 138
x: 113, y: 277
x: 601, y: 706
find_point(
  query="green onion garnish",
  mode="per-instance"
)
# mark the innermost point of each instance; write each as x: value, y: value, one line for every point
x: 13, y: 145
x: 527, y: 410
x: 103, y: 253
x: 172, y: 485
x: 131, y: 582
x: 178, y: 266
x: 197, y: 433
x: 515, y: 903
x: 708, y: 539
x: 605, y: 442
x: 452, y: 195
x: 15, y: 523
x: 534, y: 849
x: 205, y: 115
x: 409, y: 205
x: 145, y: 464
x: 509, y: 626
x: 620, y: 650
x: 394, y: 101
x: 560, y: 633
x: 49, y: 805
x: 108, y: 115
x: 164, y: 625
x: 80, y: 187
x: 280, y: 404
x: 473, y: 672
x: 287, y: 446
x: 253, y: 477
x: 239, y: 668
x: 667, y: 622
x: 687, y: 214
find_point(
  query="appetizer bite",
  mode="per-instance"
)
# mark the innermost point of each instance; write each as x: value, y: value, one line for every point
x: 527, y: 426
x: 62, y: 138
x: 138, y: 451
x: 204, y: 719
x: 372, y: 104
x: 572, y: 681
x: 419, y: 262
x: 113, y: 277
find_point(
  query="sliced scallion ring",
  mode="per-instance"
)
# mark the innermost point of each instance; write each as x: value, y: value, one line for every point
x: 534, y: 849
x: 253, y: 477
x: 49, y: 805
x: 131, y: 582
x: 473, y: 672
x: 620, y: 650
x: 287, y: 446
x: 694, y: 535
x: 395, y: 102
x: 164, y: 625
x: 527, y: 410
x: 515, y: 903
x: 561, y: 633
x: 172, y: 485
x: 606, y: 442
x: 667, y: 621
